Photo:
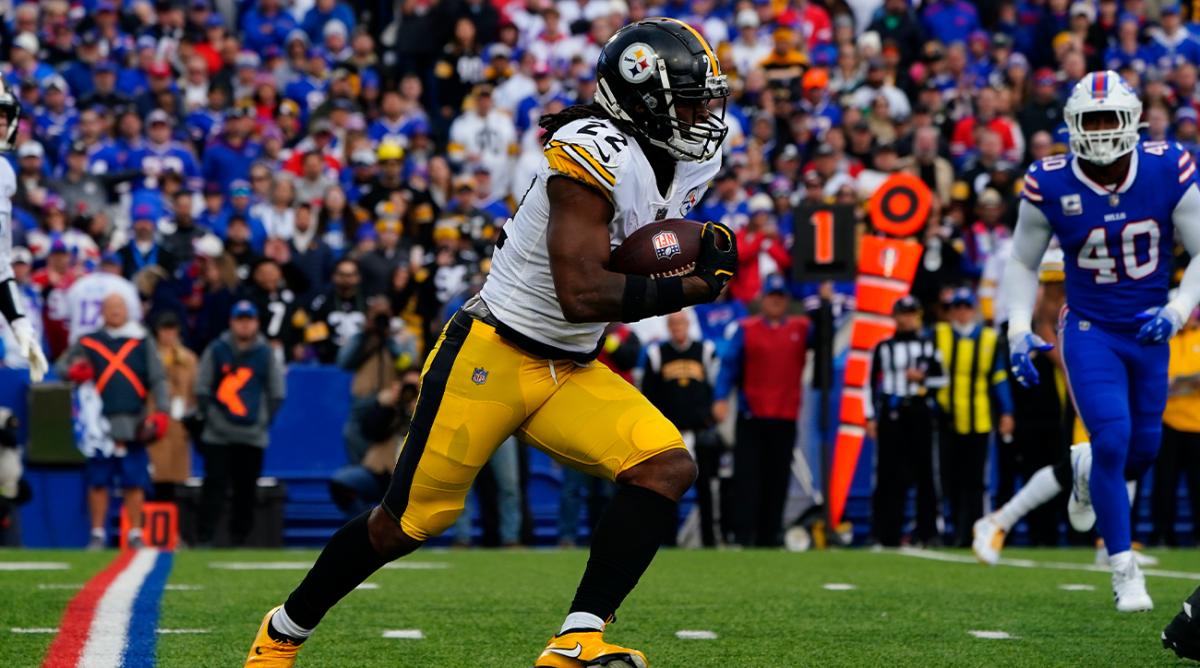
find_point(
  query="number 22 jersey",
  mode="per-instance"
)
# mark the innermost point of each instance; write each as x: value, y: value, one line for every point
x: 1117, y: 241
x: 519, y: 291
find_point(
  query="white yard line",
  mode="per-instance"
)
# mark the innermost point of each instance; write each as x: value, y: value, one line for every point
x: 685, y: 634
x: 417, y: 565
x: 33, y: 630
x: 181, y: 631
x: 1077, y: 587
x: 305, y: 565
x: 33, y: 566
x: 992, y: 635
x: 183, y: 587
x: 368, y: 585
x: 404, y: 634
x: 1029, y: 563
x: 838, y: 586
x: 60, y: 585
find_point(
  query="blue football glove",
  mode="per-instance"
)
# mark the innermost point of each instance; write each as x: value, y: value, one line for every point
x: 1159, y: 325
x: 1021, y: 358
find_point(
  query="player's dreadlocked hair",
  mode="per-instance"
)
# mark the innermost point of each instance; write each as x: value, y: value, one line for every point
x: 554, y: 122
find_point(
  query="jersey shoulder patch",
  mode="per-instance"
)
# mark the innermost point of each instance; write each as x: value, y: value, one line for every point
x: 589, y: 150
x: 1038, y: 177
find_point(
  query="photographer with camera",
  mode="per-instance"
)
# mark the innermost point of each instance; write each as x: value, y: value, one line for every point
x: 382, y: 424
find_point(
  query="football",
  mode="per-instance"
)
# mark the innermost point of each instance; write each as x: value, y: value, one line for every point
x: 663, y: 248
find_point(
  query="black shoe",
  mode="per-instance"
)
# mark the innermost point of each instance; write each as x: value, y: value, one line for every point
x: 1182, y: 635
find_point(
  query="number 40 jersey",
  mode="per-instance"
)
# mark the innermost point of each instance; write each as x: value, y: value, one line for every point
x: 1117, y: 240
x: 520, y: 289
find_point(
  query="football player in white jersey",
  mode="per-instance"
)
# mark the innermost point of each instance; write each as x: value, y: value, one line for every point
x: 518, y: 359
x: 10, y: 298
x: 86, y: 296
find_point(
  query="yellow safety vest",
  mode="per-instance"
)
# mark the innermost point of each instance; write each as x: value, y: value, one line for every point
x: 967, y: 396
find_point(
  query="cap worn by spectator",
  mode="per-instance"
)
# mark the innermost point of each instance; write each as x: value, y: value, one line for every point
x: 209, y: 246
x: 815, y: 78
x: 110, y: 259
x: 159, y: 69
x: 761, y: 203
x: 239, y: 188
x: 962, y: 297
x: 1045, y: 77
x: 30, y: 149
x: 158, y: 116
x: 1187, y: 114
x: 56, y: 82
x: 362, y: 157
x: 21, y: 255
x: 990, y: 197
x: 143, y: 211
x: 825, y: 150
x: 747, y: 18
x: 244, y: 309
x: 251, y: 59
x: 1083, y: 8
x: 775, y: 285
x: 334, y: 27
x: 390, y: 151
x: 906, y: 304
x: 27, y: 41
x: 1170, y: 8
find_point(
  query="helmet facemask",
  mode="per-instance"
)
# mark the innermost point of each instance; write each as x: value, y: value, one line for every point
x: 692, y: 139
x: 1103, y: 146
x: 10, y: 117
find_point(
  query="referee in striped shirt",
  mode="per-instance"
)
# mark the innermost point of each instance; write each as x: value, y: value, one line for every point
x: 904, y: 370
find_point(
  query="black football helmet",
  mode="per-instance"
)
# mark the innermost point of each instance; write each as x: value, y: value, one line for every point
x: 10, y: 109
x: 651, y: 69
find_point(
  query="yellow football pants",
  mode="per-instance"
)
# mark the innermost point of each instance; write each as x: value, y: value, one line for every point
x: 477, y: 389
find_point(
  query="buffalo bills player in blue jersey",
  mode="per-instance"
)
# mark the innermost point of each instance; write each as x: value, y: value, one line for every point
x: 1115, y: 206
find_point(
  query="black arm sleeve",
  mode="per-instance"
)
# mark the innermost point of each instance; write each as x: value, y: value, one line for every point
x: 10, y: 301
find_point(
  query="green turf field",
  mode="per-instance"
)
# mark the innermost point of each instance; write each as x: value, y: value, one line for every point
x: 496, y: 608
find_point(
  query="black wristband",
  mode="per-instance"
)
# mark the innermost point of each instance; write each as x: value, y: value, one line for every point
x: 644, y: 297
x: 10, y: 305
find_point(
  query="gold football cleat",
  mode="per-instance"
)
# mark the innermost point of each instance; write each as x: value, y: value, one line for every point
x: 576, y: 649
x: 267, y: 652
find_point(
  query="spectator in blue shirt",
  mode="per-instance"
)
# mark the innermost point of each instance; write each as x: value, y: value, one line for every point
x: 230, y: 157
x: 726, y: 204
x: 1175, y: 45
x: 54, y: 122
x: 1128, y: 51
x: 266, y: 25
x: 161, y: 154
x: 321, y: 13
x: 950, y: 20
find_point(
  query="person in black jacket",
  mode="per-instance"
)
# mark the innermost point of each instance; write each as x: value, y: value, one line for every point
x: 679, y: 381
x: 900, y: 420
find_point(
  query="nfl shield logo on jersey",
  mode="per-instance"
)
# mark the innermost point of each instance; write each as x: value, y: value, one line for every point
x: 666, y: 245
x: 1071, y: 205
x: 480, y: 376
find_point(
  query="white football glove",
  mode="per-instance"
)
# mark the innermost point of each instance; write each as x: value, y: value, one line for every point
x: 30, y: 349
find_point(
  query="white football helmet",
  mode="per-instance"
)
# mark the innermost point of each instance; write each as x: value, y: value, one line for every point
x: 1103, y: 91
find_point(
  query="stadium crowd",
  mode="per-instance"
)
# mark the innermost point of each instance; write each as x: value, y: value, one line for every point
x: 343, y: 171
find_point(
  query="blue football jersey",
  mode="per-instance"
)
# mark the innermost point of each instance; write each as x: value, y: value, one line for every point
x: 1117, y: 245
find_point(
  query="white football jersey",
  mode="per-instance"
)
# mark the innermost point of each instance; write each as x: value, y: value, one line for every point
x: 8, y: 188
x: 520, y: 289
x: 86, y: 295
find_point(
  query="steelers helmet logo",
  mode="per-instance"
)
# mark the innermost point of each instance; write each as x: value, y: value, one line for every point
x: 637, y: 62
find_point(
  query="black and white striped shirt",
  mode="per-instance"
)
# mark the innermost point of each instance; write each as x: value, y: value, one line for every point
x: 892, y: 359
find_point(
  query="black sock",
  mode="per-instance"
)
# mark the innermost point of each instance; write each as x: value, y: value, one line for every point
x: 347, y: 560
x: 622, y: 548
